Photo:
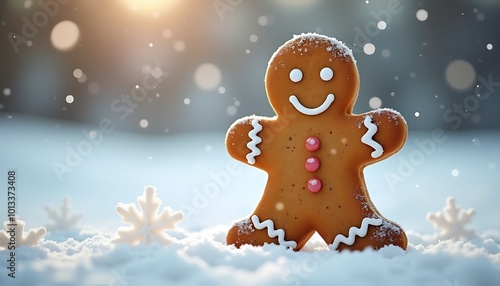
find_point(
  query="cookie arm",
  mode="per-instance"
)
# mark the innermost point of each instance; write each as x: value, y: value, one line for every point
x: 243, y: 139
x: 385, y: 132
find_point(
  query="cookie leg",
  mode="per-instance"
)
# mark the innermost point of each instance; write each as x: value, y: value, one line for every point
x: 258, y: 231
x: 243, y: 232
x: 371, y: 232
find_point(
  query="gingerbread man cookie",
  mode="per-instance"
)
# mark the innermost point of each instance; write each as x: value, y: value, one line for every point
x: 314, y: 151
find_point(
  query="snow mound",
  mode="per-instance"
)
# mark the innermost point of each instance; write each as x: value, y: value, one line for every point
x: 203, y: 258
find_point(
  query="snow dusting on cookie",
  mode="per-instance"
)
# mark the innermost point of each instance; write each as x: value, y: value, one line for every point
x: 245, y: 226
x: 304, y: 42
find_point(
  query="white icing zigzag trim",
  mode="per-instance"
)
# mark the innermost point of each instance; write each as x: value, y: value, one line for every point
x: 368, y: 137
x: 311, y: 111
x: 280, y: 233
x: 353, y: 231
x: 255, y: 139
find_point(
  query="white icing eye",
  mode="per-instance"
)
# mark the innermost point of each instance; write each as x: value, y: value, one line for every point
x: 296, y: 75
x: 326, y: 74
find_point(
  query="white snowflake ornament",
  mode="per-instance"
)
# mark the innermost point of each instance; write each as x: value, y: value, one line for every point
x: 62, y: 219
x: 14, y: 234
x: 452, y: 221
x: 147, y: 226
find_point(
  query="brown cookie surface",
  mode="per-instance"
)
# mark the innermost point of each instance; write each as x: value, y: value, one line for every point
x: 314, y: 151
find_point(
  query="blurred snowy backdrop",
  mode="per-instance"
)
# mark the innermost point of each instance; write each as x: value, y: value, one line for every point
x: 198, y: 65
x: 99, y: 99
x: 106, y: 97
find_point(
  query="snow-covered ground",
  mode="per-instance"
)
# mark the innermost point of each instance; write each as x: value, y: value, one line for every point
x: 72, y: 177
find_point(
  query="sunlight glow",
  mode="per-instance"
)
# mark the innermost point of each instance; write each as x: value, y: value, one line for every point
x: 149, y: 6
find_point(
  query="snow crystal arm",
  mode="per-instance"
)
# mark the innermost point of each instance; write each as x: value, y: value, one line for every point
x: 451, y: 221
x: 146, y: 225
x: 30, y: 238
x: 63, y: 219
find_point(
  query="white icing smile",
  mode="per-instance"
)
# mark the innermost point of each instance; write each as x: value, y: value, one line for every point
x: 311, y: 111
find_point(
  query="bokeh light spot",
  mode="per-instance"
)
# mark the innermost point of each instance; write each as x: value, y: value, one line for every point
x: 156, y: 72
x: 167, y: 33
x: 460, y: 74
x: 207, y: 76
x: 422, y: 15
x: 297, y: 4
x: 369, y: 48
x: 143, y: 123
x: 64, y: 35
x: 375, y: 102
x: 254, y: 38
x: 93, y: 134
x: 27, y: 4
x: 70, y: 99
x: 150, y: 7
x: 262, y: 21
x: 82, y: 78
x: 386, y: 53
x: 382, y: 25
x: 179, y: 46
x: 231, y: 110
x: 77, y: 73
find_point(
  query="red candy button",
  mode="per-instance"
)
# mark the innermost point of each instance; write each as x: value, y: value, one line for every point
x: 312, y: 143
x: 314, y: 185
x: 312, y: 164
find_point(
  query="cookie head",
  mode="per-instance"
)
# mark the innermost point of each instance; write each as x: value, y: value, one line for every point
x: 312, y: 74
